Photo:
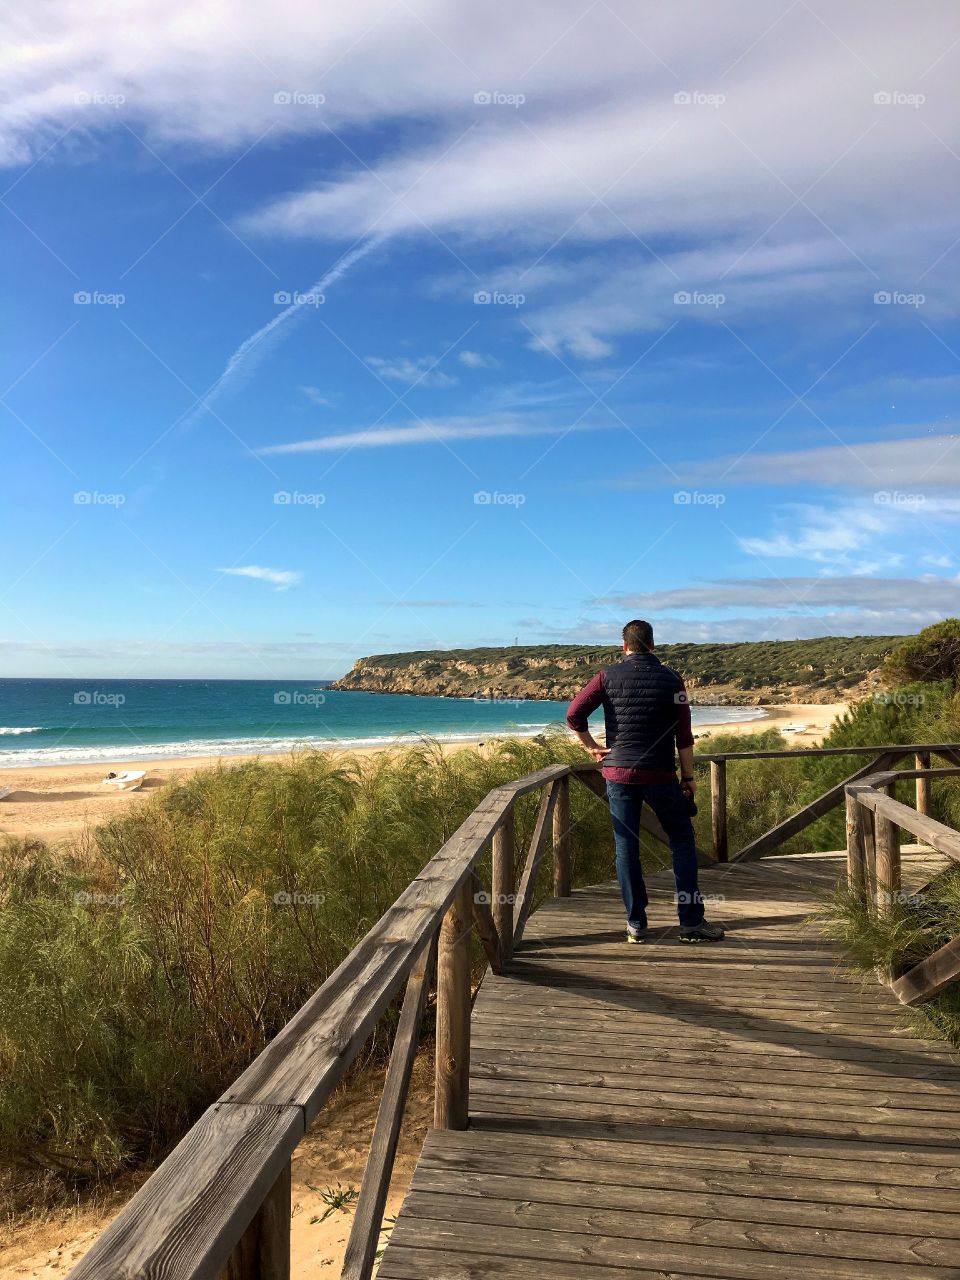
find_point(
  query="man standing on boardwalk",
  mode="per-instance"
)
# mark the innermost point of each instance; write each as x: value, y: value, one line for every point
x: 647, y: 713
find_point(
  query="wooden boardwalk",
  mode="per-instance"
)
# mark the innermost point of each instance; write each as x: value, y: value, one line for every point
x: 737, y: 1110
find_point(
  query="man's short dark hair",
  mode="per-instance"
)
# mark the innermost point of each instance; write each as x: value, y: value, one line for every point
x: 638, y: 635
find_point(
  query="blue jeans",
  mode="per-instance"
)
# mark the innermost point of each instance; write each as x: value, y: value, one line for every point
x: 667, y: 801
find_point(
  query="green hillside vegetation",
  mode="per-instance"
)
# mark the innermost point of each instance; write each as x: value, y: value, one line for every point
x: 830, y: 664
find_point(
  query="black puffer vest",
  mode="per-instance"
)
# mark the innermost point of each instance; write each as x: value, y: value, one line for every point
x: 640, y: 703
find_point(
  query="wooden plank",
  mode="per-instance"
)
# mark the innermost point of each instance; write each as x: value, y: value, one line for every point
x: 591, y: 1186
x: 537, y: 1114
x: 930, y: 976
x: 538, y: 844
x: 677, y: 1221
x: 682, y: 1065
x: 263, y: 1251
x: 515, y: 1091
x: 361, y: 1248
x: 802, y: 819
x: 445, y: 1248
x: 922, y: 761
x: 718, y: 809
x: 942, y: 838
x: 452, y: 1097
x: 798, y: 753
x: 693, y: 1144
x: 887, y: 864
x: 483, y: 919
x: 561, y: 840
x: 183, y: 1223
x: 718, y: 1167
x: 504, y: 883
x: 589, y: 1074
x: 856, y: 845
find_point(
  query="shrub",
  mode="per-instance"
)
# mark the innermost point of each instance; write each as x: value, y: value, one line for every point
x: 932, y: 655
x: 143, y: 969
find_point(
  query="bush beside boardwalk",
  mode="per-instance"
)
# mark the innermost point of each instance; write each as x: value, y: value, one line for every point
x: 143, y: 968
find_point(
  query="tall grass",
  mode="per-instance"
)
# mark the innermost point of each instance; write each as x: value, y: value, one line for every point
x: 759, y: 792
x: 143, y: 968
x: 918, y: 924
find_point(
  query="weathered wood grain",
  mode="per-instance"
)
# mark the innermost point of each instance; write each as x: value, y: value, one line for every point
x: 368, y: 1215
x: 184, y: 1222
x: 535, y: 854
x: 452, y: 1097
x: 744, y: 1110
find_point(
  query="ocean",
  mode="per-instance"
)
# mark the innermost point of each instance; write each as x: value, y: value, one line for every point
x: 48, y: 722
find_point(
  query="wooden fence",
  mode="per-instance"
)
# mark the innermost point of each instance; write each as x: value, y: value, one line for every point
x: 874, y: 821
x: 218, y: 1208
x: 884, y: 757
x: 219, y: 1205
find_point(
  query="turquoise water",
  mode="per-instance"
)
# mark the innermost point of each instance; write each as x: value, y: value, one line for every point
x: 86, y: 721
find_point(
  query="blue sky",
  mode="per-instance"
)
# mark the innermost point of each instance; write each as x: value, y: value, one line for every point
x: 421, y: 325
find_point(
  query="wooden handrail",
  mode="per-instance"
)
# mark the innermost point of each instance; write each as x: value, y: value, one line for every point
x: 219, y: 1205
x: 221, y: 1199
x: 901, y: 749
x: 874, y: 817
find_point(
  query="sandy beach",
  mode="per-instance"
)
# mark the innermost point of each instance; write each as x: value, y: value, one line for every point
x: 56, y: 802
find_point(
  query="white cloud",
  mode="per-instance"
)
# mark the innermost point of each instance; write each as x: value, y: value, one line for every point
x: 282, y: 579
x: 316, y: 396
x: 842, y: 538
x: 422, y: 370
x: 476, y: 360
x: 918, y: 464
x: 779, y: 626
x: 795, y: 180
x: 912, y: 596
x: 426, y: 432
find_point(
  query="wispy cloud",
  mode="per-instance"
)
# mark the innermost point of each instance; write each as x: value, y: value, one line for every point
x: 404, y: 369
x: 425, y: 432
x: 282, y: 579
x: 921, y: 461
x: 476, y: 360
x: 908, y: 595
x: 316, y: 396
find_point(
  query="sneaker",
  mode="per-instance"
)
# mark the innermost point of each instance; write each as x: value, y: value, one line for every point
x: 636, y: 935
x: 702, y: 932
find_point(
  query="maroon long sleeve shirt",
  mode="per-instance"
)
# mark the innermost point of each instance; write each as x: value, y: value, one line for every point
x: 591, y: 697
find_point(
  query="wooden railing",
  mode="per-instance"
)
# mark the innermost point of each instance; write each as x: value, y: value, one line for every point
x: 874, y: 820
x: 884, y: 757
x: 219, y: 1205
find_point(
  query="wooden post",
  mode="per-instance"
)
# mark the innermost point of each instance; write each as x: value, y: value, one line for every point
x: 856, y: 846
x: 361, y: 1248
x: 718, y: 808
x: 923, y: 784
x: 887, y: 842
x: 263, y: 1251
x: 452, y: 1097
x: 504, y: 886
x: 561, y: 840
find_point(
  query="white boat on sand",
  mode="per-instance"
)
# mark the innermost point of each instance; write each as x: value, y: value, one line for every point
x: 128, y: 781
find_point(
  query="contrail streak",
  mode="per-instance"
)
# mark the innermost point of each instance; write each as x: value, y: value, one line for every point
x: 252, y: 349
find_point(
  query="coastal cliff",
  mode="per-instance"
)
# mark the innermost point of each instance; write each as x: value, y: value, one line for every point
x: 824, y: 670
